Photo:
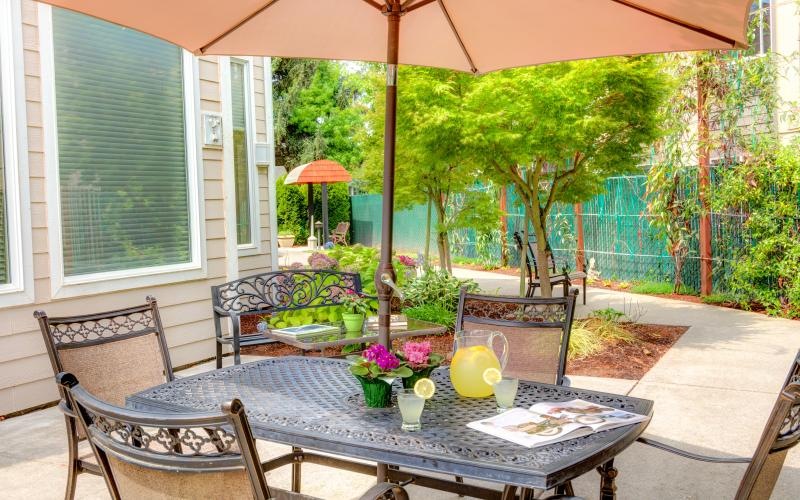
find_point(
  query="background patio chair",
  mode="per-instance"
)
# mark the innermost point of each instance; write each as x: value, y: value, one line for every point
x: 781, y: 433
x: 339, y: 235
x: 146, y: 455
x: 537, y: 330
x: 116, y: 353
x: 564, y: 278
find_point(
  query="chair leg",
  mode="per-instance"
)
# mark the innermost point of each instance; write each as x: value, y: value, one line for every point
x: 219, y: 355
x: 74, y: 467
x: 584, y: 291
x: 509, y: 492
x: 296, y: 470
x: 608, y: 490
x: 460, y: 480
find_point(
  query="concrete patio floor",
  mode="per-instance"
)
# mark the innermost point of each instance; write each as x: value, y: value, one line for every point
x: 713, y: 391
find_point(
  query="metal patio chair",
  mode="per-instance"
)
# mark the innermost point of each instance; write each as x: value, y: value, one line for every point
x: 145, y: 455
x: 117, y: 353
x: 537, y: 330
x: 339, y: 235
x: 781, y: 433
x: 564, y: 278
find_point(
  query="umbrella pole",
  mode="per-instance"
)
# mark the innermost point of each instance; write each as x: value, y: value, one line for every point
x: 325, y: 237
x: 385, y: 270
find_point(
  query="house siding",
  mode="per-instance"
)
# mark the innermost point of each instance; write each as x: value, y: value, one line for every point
x: 26, y: 378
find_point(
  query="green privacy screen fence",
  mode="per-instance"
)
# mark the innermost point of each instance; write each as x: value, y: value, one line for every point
x: 618, y: 241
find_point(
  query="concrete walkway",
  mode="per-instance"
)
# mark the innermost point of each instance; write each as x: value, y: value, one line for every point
x: 713, y: 391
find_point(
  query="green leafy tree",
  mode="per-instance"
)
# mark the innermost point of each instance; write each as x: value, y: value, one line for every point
x: 431, y: 164
x: 557, y: 131
x: 319, y: 112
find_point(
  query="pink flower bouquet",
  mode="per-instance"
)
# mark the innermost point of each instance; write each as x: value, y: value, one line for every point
x: 420, y: 359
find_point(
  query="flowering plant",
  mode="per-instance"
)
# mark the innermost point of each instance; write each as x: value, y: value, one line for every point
x: 407, y: 261
x: 418, y: 355
x: 319, y: 260
x: 355, y: 303
x: 376, y: 362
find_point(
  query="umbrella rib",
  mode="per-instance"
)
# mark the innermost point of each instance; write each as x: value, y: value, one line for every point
x: 230, y: 30
x: 374, y: 4
x: 458, y: 36
x: 408, y: 7
x: 683, y: 24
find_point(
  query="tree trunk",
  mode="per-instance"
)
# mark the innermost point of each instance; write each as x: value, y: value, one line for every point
x: 428, y: 235
x: 503, y: 227
x: 541, y: 257
x: 523, y: 254
x: 441, y: 239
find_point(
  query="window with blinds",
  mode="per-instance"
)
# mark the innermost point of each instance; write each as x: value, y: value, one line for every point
x: 121, y: 147
x: 241, y: 159
x: 4, y: 273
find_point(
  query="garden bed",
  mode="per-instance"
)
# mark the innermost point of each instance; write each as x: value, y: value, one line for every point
x: 617, y: 360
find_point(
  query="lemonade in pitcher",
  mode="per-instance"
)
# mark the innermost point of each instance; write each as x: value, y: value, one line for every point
x: 474, y: 354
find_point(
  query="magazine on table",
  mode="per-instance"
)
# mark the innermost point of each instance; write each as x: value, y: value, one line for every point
x: 307, y: 330
x: 547, y: 423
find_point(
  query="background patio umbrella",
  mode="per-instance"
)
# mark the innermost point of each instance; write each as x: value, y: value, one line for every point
x: 321, y: 172
x: 465, y: 35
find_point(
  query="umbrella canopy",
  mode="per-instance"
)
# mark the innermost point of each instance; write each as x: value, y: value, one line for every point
x: 465, y: 35
x: 318, y: 172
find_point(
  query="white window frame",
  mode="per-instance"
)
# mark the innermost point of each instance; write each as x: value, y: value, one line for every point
x: 71, y: 286
x: 255, y: 246
x: 19, y: 290
x: 760, y: 30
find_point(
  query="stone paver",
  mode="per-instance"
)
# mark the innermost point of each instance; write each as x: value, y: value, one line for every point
x: 712, y: 390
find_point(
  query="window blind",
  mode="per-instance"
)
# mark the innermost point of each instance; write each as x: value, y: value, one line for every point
x: 121, y: 147
x: 4, y: 275
x: 244, y: 230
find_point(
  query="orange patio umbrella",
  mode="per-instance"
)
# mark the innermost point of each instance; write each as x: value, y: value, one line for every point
x: 465, y: 35
x: 321, y: 172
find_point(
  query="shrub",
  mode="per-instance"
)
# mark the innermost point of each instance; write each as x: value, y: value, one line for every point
x: 319, y: 260
x: 608, y: 314
x: 659, y: 288
x: 435, y: 313
x: 437, y: 287
x: 291, y: 206
x: 364, y: 261
x: 592, y: 335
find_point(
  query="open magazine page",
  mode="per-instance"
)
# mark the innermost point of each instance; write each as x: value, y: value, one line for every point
x: 593, y: 415
x: 546, y: 423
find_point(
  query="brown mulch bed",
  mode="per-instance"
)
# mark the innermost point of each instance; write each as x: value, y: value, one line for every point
x: 630, y: 360
x: 618, y: 360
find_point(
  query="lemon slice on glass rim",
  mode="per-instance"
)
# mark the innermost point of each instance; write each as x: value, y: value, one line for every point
x: 492, y: 376
x: 424, y: 388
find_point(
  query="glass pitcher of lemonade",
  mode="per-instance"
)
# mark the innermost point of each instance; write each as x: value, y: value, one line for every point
x: 474, y: 353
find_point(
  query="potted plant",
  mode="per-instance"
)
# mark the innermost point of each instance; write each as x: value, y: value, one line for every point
x: 420, y: 360
x: 376, y: 369
x: 356, y: 306
x: 285, y: 239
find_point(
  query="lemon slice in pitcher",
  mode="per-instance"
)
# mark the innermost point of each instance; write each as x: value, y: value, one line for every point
x: 492, y: 376
x: 424, y: 388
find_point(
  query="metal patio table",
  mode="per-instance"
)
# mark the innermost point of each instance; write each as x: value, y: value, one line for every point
x: 321, y: 341
x: 315, y: 404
